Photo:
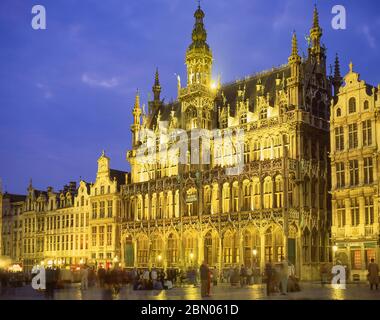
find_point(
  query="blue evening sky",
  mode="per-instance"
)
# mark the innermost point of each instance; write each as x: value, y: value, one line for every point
x: 67, y: 92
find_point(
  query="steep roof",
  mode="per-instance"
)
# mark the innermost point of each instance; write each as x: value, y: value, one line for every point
x: 14, y: 197
x: 267, y: 79
x: 118, y: 175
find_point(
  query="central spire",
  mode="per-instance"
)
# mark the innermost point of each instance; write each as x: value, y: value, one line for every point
x: 199, y: 34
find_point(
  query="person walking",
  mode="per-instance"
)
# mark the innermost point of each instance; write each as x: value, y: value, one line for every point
x: 249, y: 275
x: 243, y: 276
x: 204, y: 274
x: 284, y: 275
x: 373, y: 274
x: 269, y: 276
x: 4, y: 281
x: 215, y: 276
x: 50, y: 282
x: 84, y: 278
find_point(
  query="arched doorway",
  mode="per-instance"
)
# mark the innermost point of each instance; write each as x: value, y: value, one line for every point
x: 129, y: 256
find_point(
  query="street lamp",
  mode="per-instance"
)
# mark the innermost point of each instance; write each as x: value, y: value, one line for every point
x: 81, y: 261
x: 335, y: 249
x: 254, y: 253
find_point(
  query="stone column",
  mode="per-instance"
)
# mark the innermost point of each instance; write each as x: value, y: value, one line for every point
x: 261, y: 181
x: 262, y: 251
x: 220, y: 196
x: 273, y: 192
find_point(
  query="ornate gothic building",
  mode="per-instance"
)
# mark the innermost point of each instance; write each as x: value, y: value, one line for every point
x: 177, y: 214
x: 232, y: 174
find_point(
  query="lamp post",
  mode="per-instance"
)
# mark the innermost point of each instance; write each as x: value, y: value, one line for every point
x: 335, y: 249
x: 159, y: 258
x: 115, y: 261
x: 191, y: 258
x: 254, y: 254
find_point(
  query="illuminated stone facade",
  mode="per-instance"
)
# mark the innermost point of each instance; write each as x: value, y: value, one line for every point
x: 179, y: 214
x: 355, y: 131
x: 76, y: 225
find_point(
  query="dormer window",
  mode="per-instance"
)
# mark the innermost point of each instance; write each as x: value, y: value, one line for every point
x: 263, y: 113
x: 352, y: 105
x: 243, y: 118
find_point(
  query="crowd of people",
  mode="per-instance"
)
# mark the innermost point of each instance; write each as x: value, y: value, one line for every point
x: 278, y: 277
x: 281, y: 278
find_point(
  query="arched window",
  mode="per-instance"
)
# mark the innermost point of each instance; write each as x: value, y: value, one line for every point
x: 268, y: 192
x: 306, y: 245
x: 191, y: 117
x: 279, y: 192
x: 226, y: 198
x: 235, y: 195
x: 172, y: 251
x: 246, y: 196
x: 314, y: 246
x: 352, y: 105
x: 243, y: 118
x: 338, y: 112
x: 268, y: 245
x: 267, y: 148
x: 263, y: 113
x: 231, y: 248
x: 256, y: 150
x: 190, y: 247
x: 142, y: 250
x: 156, y: 249
x: 366, y: 105
x: 256, y: 193
x: 279, y: 245
x: 251, y: 248
x: 207, y: 200
x: 192, y: 202
x: 154, y: 206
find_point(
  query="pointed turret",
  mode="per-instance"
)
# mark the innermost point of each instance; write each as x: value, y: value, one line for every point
x: 156, y: 87
x: 316, y: 48
x: 135, y: 127
x: 337, y: 79
x: 136, y: 109
x: 294, y: 57
x: 294, y: 61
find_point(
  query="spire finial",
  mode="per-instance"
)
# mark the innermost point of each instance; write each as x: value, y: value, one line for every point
x: 199, y: 34
x: 294, y: 44
x: 337, y: 67
x: 103, y: 153
x: 315, y: 17
x: 156, y: 87
x: 156, y: 78
x: 137, y: 99
x: 351, y: 65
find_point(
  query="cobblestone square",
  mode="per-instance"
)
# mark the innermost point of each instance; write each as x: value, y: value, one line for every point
x: 310, y: 291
